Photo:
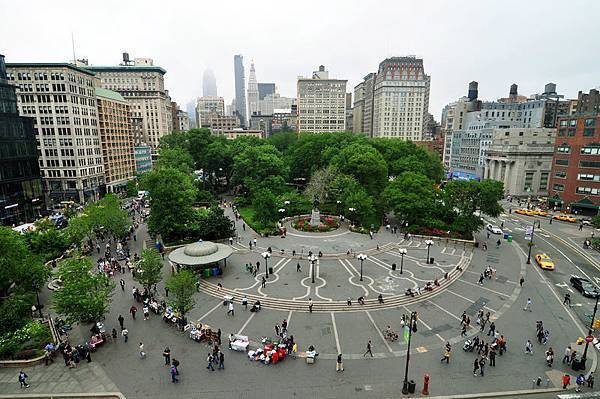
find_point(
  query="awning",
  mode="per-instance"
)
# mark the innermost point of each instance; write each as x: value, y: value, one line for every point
x: 200, y: 253
x: 555, y: 199
x: 584, y: 203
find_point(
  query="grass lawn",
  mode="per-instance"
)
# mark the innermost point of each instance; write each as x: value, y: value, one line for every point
x: 249, y: 216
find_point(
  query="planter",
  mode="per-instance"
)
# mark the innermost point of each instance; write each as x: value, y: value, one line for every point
x: 328, y: 223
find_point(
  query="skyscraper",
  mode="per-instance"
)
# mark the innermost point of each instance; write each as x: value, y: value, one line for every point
x: 252, y: 91
x: 240, y: 88
x: 209, y: 83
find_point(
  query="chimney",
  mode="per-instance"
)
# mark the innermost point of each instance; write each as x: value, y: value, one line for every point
x: 473, y: 93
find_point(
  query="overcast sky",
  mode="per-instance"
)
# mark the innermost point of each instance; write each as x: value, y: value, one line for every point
x: 494, y: 42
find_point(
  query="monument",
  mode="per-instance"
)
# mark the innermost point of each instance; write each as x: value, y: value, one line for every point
x: 315, y: 216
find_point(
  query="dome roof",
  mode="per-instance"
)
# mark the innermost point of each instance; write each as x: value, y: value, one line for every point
x: 200, y: 248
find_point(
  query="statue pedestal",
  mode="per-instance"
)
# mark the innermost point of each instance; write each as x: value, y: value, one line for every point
x: 315, y: 218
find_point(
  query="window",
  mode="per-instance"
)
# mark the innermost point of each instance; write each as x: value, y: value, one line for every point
x: 561, y: 174
x: 589, y: 164
x: 592, y: 149
x: 562, y: 132
x: 571, y: 133
x: 563, y: 148
x: 588, y: 132
x: 563, y: 162
x: 590, y: 122
x: 573, y: 122
x: 558, y: 187
x: 587, y: 190
x: 583, y: 176
x: 544, y: 181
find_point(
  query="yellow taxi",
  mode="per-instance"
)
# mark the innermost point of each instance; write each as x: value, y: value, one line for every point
x: 544, y: 261
x: 524, y: 211
x: 539, y: 212
x: 565, y: 218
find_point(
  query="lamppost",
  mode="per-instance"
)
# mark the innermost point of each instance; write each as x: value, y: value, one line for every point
x: 590, y: 331
x: 429, y: 243
x: 282, y: 211
x: 403, y: 252
x: 412, y: 321
x: 337, y: 206
x: 266, y: 255
x: 530, y: 244
x: 312, y: 259
x: 352, y: 211
x: 362, y: 258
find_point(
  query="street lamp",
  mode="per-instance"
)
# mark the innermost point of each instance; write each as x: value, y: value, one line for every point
x: 362, y: 258
x: 530, y: 244
x: 403, y: 252
x: 312, y: 259
x: 590, y: 331
x: 429, y: 243
x: 352, y: 210
x: 266, y: 255
x: 412, y: 321
x: 338, y: 202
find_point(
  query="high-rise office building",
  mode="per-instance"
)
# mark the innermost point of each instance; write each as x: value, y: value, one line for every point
x: 207, y: 106
x: 116, y: 137
x: 61, y: 98
x: 209, y: 83
x: 240, y: 89
x: 253, y: 95
x: 321, y: 103
x: 264, y: 89
x: 142, y: 84
x: 21, y: 197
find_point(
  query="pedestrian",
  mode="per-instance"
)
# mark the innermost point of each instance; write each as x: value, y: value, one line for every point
x: 475, y: 366
x: 567, y: 300
x: 493, y: 357
x: 580, y: 380
x: 482, y: 366
x: 590, y: 380
x: 125, y: 334
x: 142, y: 353
x: 276, y: 329
x: 219, y: 336
x: 121, y: 321
x: 167, y: 356
x: 174, y: 374
x: 567, y: 356
x: 245, y: 302
x: 298, y: 267
x: 230, y: 308
x: 498, y: 243
x: 221, y: 361
x: 528, y: 305
x: 446, y: 355
x: 581, y: 227
x: 166, y: 292
x: 339, y: 365
x: 529, y: 348
x: 244, y: 226
x: 146, y: 312
x: 23, y: 379
x: 369, y: 349
x: 481, y: 278
x: 122, y: 283
x: 521, y: 281
x: 133, y: 310
x: 254, y: 241
x: 114, y: 335
x: 463, y: 331
x: 250, y: 244
x: 566, y: 381
x: 263, y: 282
x: 310, y: 305
x: 549, y: 357
x: 284, y: 325
x: 209, y: 361
x: 492, y: 330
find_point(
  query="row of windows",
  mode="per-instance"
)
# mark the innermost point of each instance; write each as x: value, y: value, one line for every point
x: 587, y: 132
x: 588, y: 122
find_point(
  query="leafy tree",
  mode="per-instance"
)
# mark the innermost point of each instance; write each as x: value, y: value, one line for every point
x: 320, y: 184
x: 363, y: 204
x: 214, y: 225
x: 596, y: 221
x: 221, y: 153
x: 108, y: 214
x: 298, y: 203
x: 148, y: 270
x: 15, y: 312
x: 411, y: 196
x: 78, y: 229
x: 405, y: 156
x: 265, y: 206
x: 254, y: 165
x: 176, y: 158
x: 132, y: 188
x: 85, y: 295
x: 48, y: 244
x: 173, y: 195
x: 283, y: 141
x: 364, y: 163
x: 182, y: 287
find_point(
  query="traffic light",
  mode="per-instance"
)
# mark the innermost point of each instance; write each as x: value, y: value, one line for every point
x: 596, y: 324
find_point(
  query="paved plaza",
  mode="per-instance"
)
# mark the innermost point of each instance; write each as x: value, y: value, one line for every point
x: 334, y: 326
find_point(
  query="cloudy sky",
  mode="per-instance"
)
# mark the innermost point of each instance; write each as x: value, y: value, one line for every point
x: 494, y: 42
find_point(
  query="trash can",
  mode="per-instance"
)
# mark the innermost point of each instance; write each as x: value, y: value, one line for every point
x: 509, y: 239
x: 505, y: 235
x: 431, y: 261
x: 393, y: 266
x: 576, y: 365
x: 270, y: 270
x: 412, y: 386
x: 476, y: 244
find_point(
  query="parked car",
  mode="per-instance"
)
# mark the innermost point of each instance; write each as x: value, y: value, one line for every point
x: 544, y: 261
x: 539, y: 212
x: 493, y: 229
x: 565, y: 218
x: 585, y: 286
x: 586, y: 222
x: 526, y: 212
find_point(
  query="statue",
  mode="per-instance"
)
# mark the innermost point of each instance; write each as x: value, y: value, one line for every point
x: 315, y: 202
x: 315, y: 217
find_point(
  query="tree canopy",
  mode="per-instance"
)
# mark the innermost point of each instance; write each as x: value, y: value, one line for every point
x: 182, y: 286
x: 148, y: 270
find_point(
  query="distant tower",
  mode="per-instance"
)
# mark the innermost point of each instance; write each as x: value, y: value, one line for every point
x: 252, y: 91
x: 209, y: 84
x: 513, y: 93
x: 473, y: 91
x: 240, y: 89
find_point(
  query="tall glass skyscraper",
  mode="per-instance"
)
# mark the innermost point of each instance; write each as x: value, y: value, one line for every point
x: 240, y: 89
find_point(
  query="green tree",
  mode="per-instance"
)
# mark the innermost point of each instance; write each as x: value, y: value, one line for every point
x: 148, y: 270
x: 132, y: 188
x: 363, y: 204
x: 411, y: 196
x: 173, y: 194
x: 78, y: 229
x: 85, y: 295
x: 108, y: 215
x: 265, y: 206
x: 255, y: 165
x: 320, y: 184
x: 298, y: 203
x: 596, y: 221
x: 176, y: 158
x: 405, y: 156
x: 220, y: 153
x: 15, y: 312
x: 214, y: 225
x: 283, y: 141
x: 364, y: 163
x: 48, y: 244
x: 182, y: 287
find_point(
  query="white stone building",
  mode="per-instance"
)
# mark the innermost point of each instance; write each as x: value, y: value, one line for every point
x: 206, y: 106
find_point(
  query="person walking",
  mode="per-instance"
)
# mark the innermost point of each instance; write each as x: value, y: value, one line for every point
x: 580, y: 380
x: 310, y: 305
x: 245, y: 302
x: 492, y: 330
x: 567, y: 356
x: 475, y: 366
x: 482, y: 366
x: 230, y: 309
x: 566, y: 381
x: 549, y: 357
x: 298, y: 267
x: 133, y: 310
x: 166, y: 292
x: 463, y: 330
x: 529, y: 348
x: 209, y: 361
x: 121, y: 321
x: 446, y: 355
x: 23, y: 379
x: 122, y: 283
x: 142, y: 353
x: 590, y: 380
x: 263, y: 282
x: 167, y: 356
x: 254, y: 241
x: 173, y: 371
x: 221, y: 361
x: 567, y: 300
x: 369, y: 349
x: 521, y: 281
x: 492, y: 357
x: 339, y: 365
x: 146, y: 312
x: 125, y: 334
x: 528, y: 304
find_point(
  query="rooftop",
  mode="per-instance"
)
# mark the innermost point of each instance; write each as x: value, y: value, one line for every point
x: 112, y: 95
x: 49, y: 65
x: 127, y: 68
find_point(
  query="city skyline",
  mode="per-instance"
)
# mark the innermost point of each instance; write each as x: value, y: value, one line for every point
x: 507, y: 41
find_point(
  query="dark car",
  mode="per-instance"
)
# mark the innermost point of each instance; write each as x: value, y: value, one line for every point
x: 585, y: 286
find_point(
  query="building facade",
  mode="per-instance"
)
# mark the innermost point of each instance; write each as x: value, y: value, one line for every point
x: 285, y: 120
x: 116, y: 138
x: 143, y: 86
x: 143, y: 158
x: 207, y: 106
x: 262, y: 122
x: 61, y: 99
x: 271, y: 102
x: 240, y: 89
x: 588, y: 103
x: 521, y: 158
x: 575, y: 177
x: 220, y: 123
x: 183, y: 121
x: 358, y: 107
x: 321, y: 103
x: 233, y: 134
x: 253, y: 95
x: 21, y: 196
x: 265, y: 89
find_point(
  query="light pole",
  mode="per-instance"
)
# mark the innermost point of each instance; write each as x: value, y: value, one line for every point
x: 413, y: 318
x: 403, y: 252
x: 266, y: 255
x: 429, y: 243
x: 590, y: 331
x: 352, y: 210
x: 530, y: 244
x: 282, y: 211
x: 362, y: 258
x: 312, y: 259
x: 338, y: 202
